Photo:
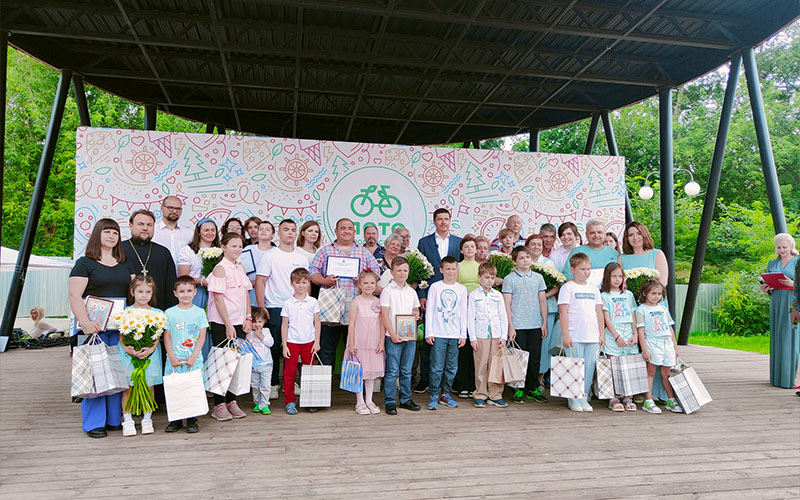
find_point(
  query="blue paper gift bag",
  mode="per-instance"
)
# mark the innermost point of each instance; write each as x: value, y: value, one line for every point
x: 351, y: 379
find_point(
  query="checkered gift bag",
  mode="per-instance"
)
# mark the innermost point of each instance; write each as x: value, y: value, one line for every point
x: 108, y: 374
x: 567, y: 377
x: 603, y: 382
x: 629, y: 374
x: 82, y: 380
x: 331, y: 304
x: 315, y: 385
x: 522, y: 356
x: 219, y: 368
x: 691, y: 393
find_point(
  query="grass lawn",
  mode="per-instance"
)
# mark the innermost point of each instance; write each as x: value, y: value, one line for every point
x: 754, y: 343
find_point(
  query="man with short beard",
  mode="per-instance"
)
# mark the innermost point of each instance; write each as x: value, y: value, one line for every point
x: 152, y: 259
x: 168, y: 231
x: 371, y: 241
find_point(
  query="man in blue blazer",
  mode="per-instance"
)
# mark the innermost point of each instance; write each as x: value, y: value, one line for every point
x: 435, y: 247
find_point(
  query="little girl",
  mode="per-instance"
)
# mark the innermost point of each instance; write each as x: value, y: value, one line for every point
x: 657, y: 340
x: 365, y: 339
x: 618, y: 311
x: 261, y: 377
x: 142, y: 293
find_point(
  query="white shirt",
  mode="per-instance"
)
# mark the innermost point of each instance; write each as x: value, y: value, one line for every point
x: 443, y: 245
x: 257, y: 255
x: 186, y: 257
x: 486, y: 310
x: 446, y: 311
x: 559, y: 257
x: 173, y: 239
x: 399, y: 300
x: 583, y: 301
x: 262, y: 347
x: 277, y: 265
x: 309, y: 256
x: 301, y: 319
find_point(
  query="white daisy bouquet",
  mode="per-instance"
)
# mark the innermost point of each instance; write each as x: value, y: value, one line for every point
x: 635, y: 277
x: 552, y: 278
x: 210, y: 257
x: 140, y: 329
x: 502, y: 262
x: 419, y: 269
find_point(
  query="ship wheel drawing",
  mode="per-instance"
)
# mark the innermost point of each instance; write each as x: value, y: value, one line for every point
x: 558, y: 182
x: 143, y: 163
x: 296, y: 170
x: 432, y: 176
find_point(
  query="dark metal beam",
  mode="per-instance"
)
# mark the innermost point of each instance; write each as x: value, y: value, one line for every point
x: 611, y: 141
x: 37, y: 199
x: 712, y: 187
x: 209, y: 128
x: 667, y: 190
x: 592, y: 134
x: 533, y: 140
x: 80, y: 100
x: 219, y: 37
x: 150, y: 116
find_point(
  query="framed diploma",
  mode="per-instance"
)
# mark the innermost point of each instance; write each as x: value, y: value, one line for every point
x: 343, y: 267
x: 119, y: 305
x: 248, y: 261
x: 406, y: 327
x: 99, y: 310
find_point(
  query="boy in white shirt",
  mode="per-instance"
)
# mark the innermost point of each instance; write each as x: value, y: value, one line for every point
x: 580, y: 309
x: 487, y: 326
x: 445, y: 331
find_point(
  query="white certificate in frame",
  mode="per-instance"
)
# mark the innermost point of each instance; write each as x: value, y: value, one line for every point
x: 343, y: 267
x: 248, y: 261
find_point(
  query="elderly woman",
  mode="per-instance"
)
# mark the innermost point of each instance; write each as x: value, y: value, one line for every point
x: 599, y: 254
x: 784, y: 346
x: 392, y: 248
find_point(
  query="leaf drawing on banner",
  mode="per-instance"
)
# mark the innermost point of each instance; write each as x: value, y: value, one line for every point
x: 123, y: 141
x: 259, y: 177
x: 102, y: 170
x: 315, y: 194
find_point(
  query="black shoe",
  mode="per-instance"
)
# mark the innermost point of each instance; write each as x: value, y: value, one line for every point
x: 192, y: 425
x: 410, y: 405
x: 420, y: 388
x: 312, y: 410
x: 113, y: 427
x: 174, y: 426
x: 77, y: 400
x: 100, y: 432
x: 391, y: 410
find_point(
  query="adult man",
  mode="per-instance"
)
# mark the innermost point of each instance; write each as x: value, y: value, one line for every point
x: 548, y: 232
x: 406, y: 235
x: 435, y: 247
x: 371, y: 241
x: 273, y: 287
x: 168, y: 232
x: 343, y: 246
x: 514, y: 223
x: 150, y: 258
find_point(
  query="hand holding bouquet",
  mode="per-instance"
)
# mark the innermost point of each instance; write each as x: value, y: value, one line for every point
x: 210, y: 257
x: 419, y: 269
x: 502, y: 262
x: 140, y: 330
x: 635, y: 277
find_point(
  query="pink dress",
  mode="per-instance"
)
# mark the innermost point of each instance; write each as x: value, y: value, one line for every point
x: 369, y: 333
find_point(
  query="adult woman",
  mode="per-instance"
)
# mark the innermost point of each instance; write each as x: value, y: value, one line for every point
x: 784, y: 345
x: 190, y: 264
x: 309, y: 239
x: 482, y: 246
x: 40, y: 328
x: 392, y: 247
x: 233, y: 225
x: 568, y: 234
x: 251, y: 228
x: 597, y: 252
x: 229, y: 314
x: 464, y: 381
x: 612, y: 241
x: 535, y: 243
x: 638, y: 250
x: 101, y: 272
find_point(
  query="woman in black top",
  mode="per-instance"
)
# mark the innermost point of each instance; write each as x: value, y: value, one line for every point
x: 102, y: 272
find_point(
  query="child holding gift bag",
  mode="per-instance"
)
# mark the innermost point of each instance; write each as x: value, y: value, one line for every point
x: 618, y: 312
x: 300, y: 330
x: 365, y: 339
x: 261, y: 378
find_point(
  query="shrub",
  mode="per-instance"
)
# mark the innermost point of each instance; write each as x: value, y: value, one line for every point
x: 743, y: 309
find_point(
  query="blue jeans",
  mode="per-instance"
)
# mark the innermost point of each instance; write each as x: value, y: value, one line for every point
x: 588, y: 351
x: 444, y: 365
x: 399, y: 357
x: 274, y: 325
x: 104, y: 410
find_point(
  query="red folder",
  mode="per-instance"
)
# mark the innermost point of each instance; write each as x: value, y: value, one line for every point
x: 772, y: 280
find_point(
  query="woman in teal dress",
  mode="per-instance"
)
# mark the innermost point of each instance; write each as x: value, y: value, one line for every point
x: 784, y: 346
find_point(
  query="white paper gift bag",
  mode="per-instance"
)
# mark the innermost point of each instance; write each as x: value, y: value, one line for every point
x: 523, y: 357
x: 603, y: 382
x: 185, y: 394
x: 315, y: 385
x: 691, y: 392
x: 108, y: 374
x: 629, y: 374
x: 240, y: 382
x: 567, y: 377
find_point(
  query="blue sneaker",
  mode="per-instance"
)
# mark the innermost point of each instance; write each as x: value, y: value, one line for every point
x: 500, y: 403
x: 434, y: 403
x: 479, y: 403
x: 291, y: 409
x: 446, y: 399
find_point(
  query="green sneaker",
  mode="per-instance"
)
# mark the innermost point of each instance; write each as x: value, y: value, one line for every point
x: 519, y: 396
x: 256, y: 409
x: 265, y: 410
x: 537, y: 395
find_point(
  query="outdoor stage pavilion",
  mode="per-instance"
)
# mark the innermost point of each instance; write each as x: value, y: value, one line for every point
x: 400, y: 71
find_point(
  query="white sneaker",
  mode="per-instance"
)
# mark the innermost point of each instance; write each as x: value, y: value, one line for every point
x: 673, y: 406
x: 147, y: 426
x: 574, y: 405
x: 273, y: 394
x: 586, y: 406
x: 650, y: 407
x: 128, y: 428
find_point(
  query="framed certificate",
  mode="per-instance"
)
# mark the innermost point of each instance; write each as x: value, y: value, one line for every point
x: 248, y: 261
x: 99, y: 310
x: 406, y: 327
x: 343, y: 267
x: 119, y: 305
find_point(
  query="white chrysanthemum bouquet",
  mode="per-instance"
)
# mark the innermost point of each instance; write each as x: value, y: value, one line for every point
x: 635, y: 277
x: 419, y: 269
x: 502, y: 262
x: 140, y: 329
x: 210, y: 257
x: 552, y: 278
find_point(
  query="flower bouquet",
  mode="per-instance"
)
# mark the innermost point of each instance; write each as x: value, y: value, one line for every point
x: 419, y: 269
x: 140, y: 329
x: 552, y: 278
x: 502, y: 262
x: 210, y: 257
x: 635, y: 277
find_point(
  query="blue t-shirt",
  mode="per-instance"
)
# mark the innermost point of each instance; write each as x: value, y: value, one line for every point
x: 600, y: 258
x: 524, y: 290
x: 656, y: 320
x: 619, y: 306
x: 184, y: 327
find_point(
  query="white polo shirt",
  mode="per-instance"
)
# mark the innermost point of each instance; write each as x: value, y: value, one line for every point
x: 173, y: 239
x: 399, y: 300
x: 277, y: 265
x: 301, y: 319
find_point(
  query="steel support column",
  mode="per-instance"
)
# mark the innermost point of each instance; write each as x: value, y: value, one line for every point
x: 712, y: 187
x: 592, y: 133
x: 150, y: 112
x: 25, y: 246
x: 611, y: 140
x: 220, y: 129
x: 667, y: 190
x: 80, y: 100
x: 533, y: 140
x: 764, y: 145
x: 209, y: 128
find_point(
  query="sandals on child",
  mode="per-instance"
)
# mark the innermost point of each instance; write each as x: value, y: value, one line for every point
x: 630, y: 405
x: 615, y: 405
x: 362, y: 410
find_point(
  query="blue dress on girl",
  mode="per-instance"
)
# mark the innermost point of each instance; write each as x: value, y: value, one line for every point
x: 154, y: 370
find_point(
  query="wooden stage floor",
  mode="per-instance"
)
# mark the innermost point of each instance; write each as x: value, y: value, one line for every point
x: 744, y: 445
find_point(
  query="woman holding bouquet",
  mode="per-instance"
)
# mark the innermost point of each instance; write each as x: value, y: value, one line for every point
x: 190, y: 263
x: 101, y: 272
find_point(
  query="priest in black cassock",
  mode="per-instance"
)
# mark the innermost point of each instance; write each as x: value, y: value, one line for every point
x: 147, y: 257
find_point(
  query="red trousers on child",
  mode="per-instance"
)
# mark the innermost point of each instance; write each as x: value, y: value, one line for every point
x: 296, y: 351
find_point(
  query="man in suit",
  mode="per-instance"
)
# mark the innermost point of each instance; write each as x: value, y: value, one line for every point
x: 435, y: 247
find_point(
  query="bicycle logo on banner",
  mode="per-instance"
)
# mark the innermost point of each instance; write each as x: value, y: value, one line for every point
x: 363, y: 205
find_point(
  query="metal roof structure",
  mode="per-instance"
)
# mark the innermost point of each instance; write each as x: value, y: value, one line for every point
x: 389, y: 71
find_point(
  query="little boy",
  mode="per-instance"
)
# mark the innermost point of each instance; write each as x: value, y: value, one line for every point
x: 506, y: 238
x: 398, y: 298
x: 526, y: 306
x: 445, y: 331
x: 580, y: 309
x: 487, y: 325
x: 300, y: 328
x: 261, y: 376
x: 184, y: 337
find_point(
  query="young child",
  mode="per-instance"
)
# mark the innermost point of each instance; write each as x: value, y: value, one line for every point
x: 365, y: 339
x: 657, y: 340
x: 506, y: 238
x: 618, y: 315
x: 300, y: 329
x: 445, y: 331
x: 580, y: 308
x: 487, y: 325
x: 261, y: 376
x: 184, y: 338
x: 526, y: 306
x: 142, y: 293
x: 398, y: 298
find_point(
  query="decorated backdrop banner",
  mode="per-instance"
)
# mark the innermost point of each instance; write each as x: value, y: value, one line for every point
x: 223, y: 176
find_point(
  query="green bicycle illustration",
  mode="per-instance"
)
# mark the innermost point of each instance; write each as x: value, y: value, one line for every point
x: 362, y: 204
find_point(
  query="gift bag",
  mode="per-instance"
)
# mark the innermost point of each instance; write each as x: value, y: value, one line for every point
x: 245, y: 346
x: 219, y: 368
x: 512, y: 368
x: 352, y: 376
x: 185, y: 394
x: 315, y: 385
x: 82, y: 380
x: 567, y: 377
x: 629, y: 375
x: 108, y: 374
x: 496, y: 369
x: 240, y: 381
x: 331, y: 304
x: 522, y: 356
x: 603, y: 381
x: 691, y: 393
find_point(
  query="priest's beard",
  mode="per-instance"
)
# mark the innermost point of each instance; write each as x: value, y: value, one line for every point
x: 139, y: 241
